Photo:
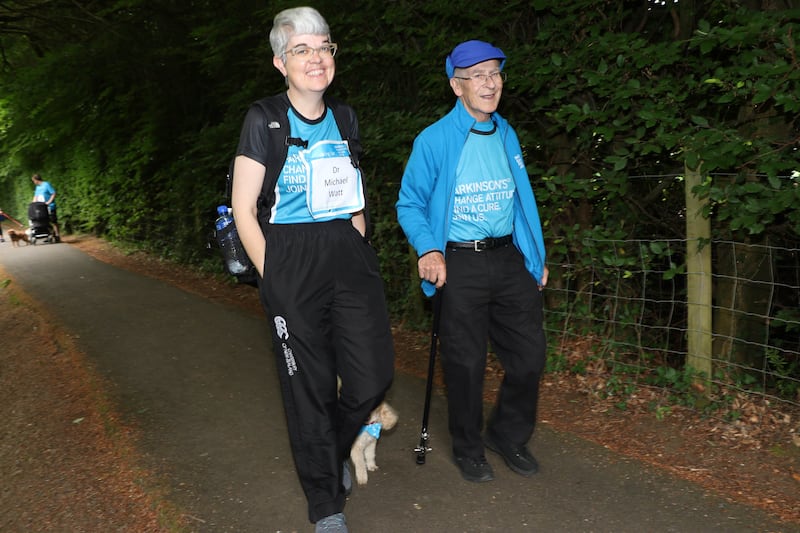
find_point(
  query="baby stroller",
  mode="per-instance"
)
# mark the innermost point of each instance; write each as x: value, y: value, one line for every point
x: 39, y: 218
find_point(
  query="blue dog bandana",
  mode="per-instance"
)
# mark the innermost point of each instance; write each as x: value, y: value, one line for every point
x: 374, y: 430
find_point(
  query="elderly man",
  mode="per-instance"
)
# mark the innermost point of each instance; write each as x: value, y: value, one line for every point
x: 467, y: 207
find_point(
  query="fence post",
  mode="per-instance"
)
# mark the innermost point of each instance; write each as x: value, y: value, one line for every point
x: 698, y: 278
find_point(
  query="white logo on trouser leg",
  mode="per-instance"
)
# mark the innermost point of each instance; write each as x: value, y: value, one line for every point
x: 280, y: 328
x: 282, y: 331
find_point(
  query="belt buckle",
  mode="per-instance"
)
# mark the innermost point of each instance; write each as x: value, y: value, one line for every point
x: 479, y: 246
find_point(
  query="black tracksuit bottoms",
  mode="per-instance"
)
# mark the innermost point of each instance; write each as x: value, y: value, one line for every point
x: 490, y: 296
x: 323, y: 294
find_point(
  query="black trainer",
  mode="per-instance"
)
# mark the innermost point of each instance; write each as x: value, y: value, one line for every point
x: 518, y: 458
x: 475, y: 469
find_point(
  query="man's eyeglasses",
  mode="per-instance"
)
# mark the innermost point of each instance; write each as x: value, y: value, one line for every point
x: 483, y: 79
x: 306, y: 52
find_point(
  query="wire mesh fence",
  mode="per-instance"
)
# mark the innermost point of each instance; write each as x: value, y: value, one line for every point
x: 625, y: 303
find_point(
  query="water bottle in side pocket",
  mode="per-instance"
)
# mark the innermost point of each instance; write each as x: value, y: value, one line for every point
x: 235, y: 258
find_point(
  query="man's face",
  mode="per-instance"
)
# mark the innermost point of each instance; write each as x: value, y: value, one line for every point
x: 479, y: 96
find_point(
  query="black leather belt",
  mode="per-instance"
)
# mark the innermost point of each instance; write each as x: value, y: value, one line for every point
x: 484, y: 244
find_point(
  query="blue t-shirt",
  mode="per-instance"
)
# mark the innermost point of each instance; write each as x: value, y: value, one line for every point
x: 291, y: 202
x: 43, y: 192
x: 484, y: 192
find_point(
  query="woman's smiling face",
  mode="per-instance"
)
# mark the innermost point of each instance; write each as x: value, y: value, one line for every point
x: 314, y: 73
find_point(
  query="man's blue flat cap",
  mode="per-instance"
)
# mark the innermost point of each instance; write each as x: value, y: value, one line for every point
x: 471, y: 53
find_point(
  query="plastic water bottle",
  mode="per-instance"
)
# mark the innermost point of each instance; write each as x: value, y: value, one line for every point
x: 232, y: 249
x: 225, y: 217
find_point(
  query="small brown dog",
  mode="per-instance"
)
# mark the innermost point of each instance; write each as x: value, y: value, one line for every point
x: 363, y: 451
x: 17, y: 236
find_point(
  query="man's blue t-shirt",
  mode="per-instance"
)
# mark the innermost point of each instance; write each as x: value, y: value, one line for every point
x: 484, y: 194
x: 44, y: 191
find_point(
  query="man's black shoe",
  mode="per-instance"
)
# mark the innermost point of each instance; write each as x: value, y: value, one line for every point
x: 518, y: 458
x: 475, y: 469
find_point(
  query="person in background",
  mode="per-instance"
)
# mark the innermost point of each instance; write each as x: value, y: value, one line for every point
x: 44, y: 192
x: 319, y: 277
x: 467, y: 207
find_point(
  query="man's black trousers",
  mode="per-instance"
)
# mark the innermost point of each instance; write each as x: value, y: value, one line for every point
x: 491, y: 297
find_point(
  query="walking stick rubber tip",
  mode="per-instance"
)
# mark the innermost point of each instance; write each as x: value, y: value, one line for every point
x: 421, y: 459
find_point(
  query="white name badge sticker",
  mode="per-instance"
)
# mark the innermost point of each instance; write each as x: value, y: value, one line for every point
x: 334, y: 185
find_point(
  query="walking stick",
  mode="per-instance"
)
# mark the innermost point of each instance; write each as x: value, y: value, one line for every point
x: 423, y: 448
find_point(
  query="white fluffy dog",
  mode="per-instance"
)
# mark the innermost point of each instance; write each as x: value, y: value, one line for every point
x: 362, y: 453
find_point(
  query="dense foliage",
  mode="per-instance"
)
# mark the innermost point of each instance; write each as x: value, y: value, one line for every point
x: 132, y: 109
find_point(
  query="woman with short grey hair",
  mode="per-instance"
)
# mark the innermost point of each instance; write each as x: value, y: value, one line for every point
x: 300, y: 210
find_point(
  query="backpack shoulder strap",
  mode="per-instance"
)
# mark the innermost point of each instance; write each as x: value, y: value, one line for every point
x: 276, y: 126
x: 278, y: 139
x: 347, y: 123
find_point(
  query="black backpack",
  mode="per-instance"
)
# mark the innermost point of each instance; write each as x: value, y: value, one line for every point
x: 278, y: 140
